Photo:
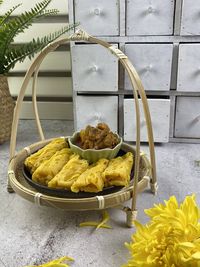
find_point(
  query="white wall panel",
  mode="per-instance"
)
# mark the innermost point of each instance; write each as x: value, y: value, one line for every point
x: 54, y: 61
x: 58, y: 61
x: 47, y: 86
x: 48, y: 110
x: 61, y: 5
x: 38, y: 30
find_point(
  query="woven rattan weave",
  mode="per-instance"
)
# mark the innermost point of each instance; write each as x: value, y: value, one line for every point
x: 6, y: 110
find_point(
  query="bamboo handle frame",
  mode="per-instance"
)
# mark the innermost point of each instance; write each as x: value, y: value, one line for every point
x: 138, y: 90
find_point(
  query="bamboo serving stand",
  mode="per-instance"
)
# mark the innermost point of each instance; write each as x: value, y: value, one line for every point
x: 144, y: 170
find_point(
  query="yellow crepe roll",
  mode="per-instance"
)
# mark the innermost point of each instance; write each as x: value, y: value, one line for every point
x: 92, y: 179
x: 45, y: 153
x: 69, y: 173
x: 49, y: 168
x: 119, y: 170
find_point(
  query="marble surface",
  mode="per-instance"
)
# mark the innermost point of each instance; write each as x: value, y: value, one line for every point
x: 31, y: 235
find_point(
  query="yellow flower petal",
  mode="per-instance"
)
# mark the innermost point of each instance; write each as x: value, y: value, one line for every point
x: 101, y: 224
x: 196, y: 255
x: 56, y: 263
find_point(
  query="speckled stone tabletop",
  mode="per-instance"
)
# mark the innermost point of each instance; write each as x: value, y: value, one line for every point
x: 31, y: 235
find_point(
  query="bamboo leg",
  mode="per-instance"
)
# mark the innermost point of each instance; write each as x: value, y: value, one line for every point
x: 9, y: 187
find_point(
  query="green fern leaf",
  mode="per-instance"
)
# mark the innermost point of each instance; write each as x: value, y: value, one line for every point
x: 11, y: 27
x: 17, y: 25
x: 49, y: 12
x: 4, y: 18
x: 19, y: 53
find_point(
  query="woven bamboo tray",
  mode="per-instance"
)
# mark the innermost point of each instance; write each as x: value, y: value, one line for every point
x: 144, y: 170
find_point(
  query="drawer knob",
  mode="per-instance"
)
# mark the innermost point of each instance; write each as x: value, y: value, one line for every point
x: 197, y: 119
x: 94, y: 68
x: 149, y: 67
x: 150, y: 10
x: 97, y: 116
x: 97, y: 11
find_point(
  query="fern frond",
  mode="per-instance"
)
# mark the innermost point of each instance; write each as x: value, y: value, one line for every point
x: 18, y: 25
x: 49, y: 12
x: 4, y: 18
x: 19, y: 53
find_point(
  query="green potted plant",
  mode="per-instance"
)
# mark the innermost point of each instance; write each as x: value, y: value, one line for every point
x: 10, y: 27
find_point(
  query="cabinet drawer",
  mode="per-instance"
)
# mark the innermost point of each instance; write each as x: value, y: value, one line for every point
x: 90, y: 73
x: 160, y: 111
x: 189, y: 68
x: 187, y: 123
x: 94, y: 109
x: 146, y: 17
x: 153, y: 63
x: 100, y: 17
x: 190, y: 22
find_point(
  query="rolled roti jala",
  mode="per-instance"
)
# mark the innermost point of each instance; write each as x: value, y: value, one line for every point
x: 119, y: 170
x: 49, y: 168
x: 92, y: 179
x: 69, y: 173
x: 35, y: 160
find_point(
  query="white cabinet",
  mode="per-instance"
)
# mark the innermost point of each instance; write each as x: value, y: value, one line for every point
x: 187, y: 124
x: 189, y: 68
x: 159, y: 109
x: 92, y: 71
x: 99, y: 17
x: 153, y: 64
x: 146, y: 17
x: 90, y: 110
x: 190, y: 21
x: 161, y: 38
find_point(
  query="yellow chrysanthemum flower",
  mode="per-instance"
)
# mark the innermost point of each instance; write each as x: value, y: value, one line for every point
x: 170, y: 239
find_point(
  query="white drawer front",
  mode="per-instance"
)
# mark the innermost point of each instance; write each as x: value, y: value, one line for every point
x: 89, y: 70
x: 90, y: 110
x: 189, y: 68
x: 160, y: 111
x: 153, y: 64
x: 100, y: 17
x: 190, y: 22
x: 187, y: 122
x: 146, y: 17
